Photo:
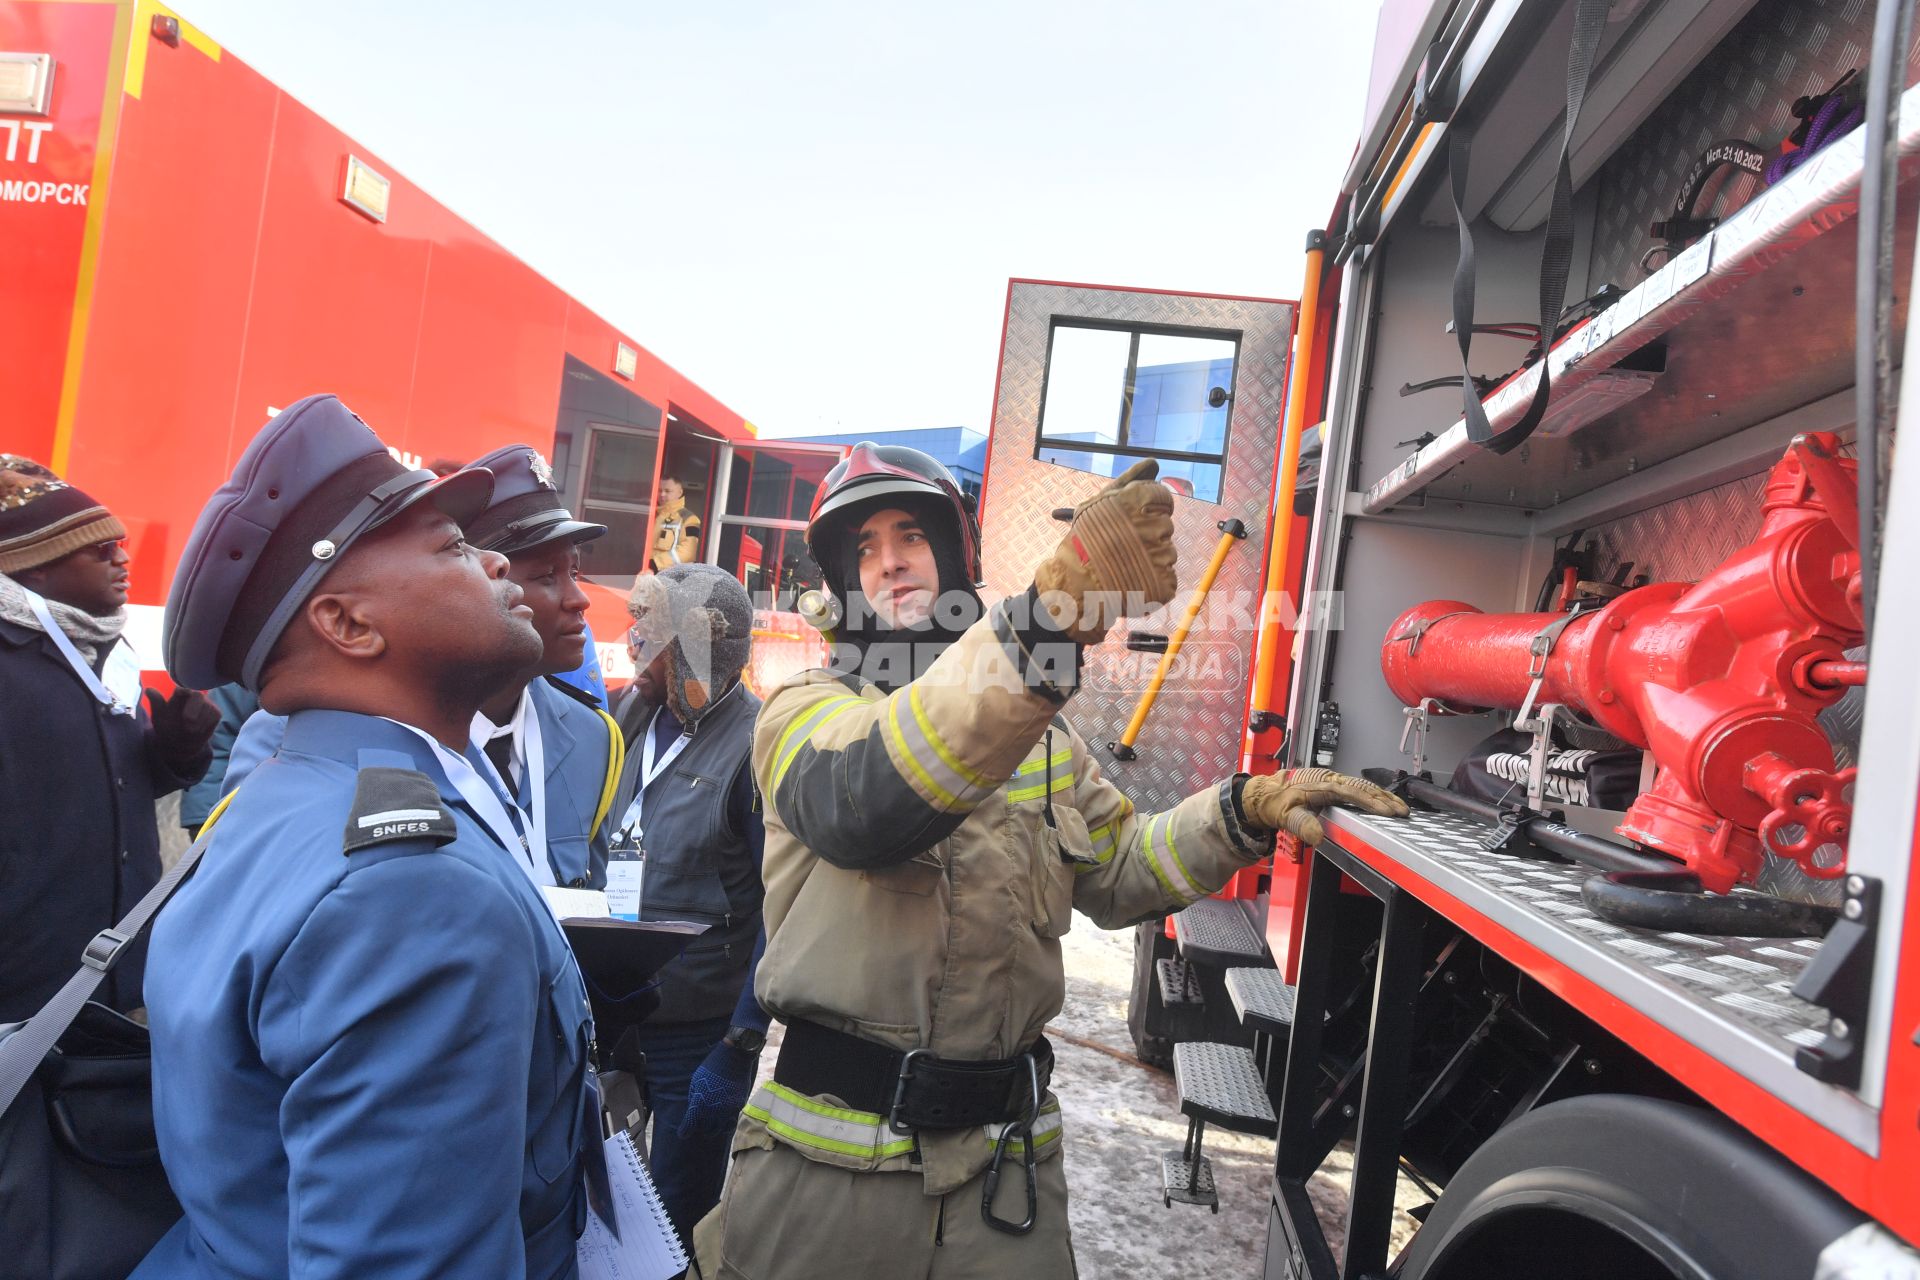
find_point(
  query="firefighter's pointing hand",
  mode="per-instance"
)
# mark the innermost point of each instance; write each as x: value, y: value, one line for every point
x: 1290, y: 801
x: 1117, y: 558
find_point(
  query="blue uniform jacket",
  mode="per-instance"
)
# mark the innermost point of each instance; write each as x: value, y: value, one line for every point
x: 584, y: 751
x: 370, y: 1063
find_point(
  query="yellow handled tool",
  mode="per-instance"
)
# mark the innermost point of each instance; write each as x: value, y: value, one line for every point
x: 1232, y: 532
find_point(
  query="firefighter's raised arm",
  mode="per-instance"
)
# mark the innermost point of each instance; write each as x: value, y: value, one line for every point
x: 867, y: 771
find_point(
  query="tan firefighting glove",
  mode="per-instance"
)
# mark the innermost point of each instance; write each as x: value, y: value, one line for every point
x: 1117, y: 557
x: 1288, y: 801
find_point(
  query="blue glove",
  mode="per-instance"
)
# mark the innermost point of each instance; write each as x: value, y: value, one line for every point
x: 718, y: 1090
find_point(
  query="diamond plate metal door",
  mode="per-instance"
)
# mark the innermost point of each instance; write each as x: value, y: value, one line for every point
x: 1192, y: 738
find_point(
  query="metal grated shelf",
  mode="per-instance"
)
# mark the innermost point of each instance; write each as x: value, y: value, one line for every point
x: 1732, y: 362
x: 1730, y: 997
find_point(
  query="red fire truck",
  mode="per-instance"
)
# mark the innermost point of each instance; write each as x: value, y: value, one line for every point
x: 1607, y: 531
x: 189, y: 249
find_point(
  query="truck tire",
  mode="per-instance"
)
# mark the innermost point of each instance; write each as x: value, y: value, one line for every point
x: 1621, y: 1187
x: 1146, y: 1016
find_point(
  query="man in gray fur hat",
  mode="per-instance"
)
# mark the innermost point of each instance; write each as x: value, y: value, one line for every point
x: 688, y: 845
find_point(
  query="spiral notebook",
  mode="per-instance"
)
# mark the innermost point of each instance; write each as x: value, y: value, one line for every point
x: 648, y: 1247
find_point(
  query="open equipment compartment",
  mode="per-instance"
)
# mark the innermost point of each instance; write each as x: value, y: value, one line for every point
x: 1752, y: 323
x: 1724, y: 355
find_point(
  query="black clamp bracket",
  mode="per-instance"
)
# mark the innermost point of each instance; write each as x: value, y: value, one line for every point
x: 1840, y: 979
x: 1261, y: 721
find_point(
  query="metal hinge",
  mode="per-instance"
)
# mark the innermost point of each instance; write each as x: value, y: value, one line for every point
x: 1840, y: 980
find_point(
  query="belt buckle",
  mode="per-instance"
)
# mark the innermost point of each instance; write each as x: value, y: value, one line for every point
x: 1024, y: 1128
x: 900, y: 1091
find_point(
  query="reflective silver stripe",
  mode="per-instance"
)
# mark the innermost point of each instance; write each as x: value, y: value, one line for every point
x: 1165, y: 860
x: 1045, y: 1129
x: 1058, y: 760
x: 948, y: 781
x: 805, y: 1122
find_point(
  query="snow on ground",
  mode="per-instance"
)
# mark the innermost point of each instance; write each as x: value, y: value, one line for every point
x: 1120, y: 1116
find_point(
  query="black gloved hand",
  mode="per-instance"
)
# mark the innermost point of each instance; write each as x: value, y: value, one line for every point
x: 183, y: 724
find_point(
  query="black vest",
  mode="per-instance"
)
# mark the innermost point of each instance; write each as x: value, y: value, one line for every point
x: 698, y: 867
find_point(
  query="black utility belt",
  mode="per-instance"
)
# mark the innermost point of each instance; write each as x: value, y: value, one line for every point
x: 913, y: 1090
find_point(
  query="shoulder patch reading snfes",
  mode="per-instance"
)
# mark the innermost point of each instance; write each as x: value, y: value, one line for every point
x: 396, y: 804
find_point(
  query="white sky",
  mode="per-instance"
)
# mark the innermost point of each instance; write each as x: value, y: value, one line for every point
x: 813, y: 209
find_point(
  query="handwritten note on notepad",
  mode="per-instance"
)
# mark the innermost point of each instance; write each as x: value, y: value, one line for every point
x: 647, y: 1248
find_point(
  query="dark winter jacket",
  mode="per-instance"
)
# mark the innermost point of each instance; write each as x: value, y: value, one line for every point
x: 78, y: 843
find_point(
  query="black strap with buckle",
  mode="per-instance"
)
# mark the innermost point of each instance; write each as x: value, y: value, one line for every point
x: 913, y: 1090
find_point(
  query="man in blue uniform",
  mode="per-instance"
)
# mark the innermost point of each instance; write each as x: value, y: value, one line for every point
x: 558, y: 752
x: 535, y: 715
x: 369, y: 1035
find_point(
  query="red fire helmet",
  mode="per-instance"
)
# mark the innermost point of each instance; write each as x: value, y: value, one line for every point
x: 874, y: 471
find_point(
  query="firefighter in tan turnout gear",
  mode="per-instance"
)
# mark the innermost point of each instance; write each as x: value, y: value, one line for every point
x: 932, y: 823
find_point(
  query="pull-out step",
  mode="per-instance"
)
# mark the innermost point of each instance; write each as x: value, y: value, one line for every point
x: 1187, y: 1181
x: 1218, y: 1084
x: 1216, y: 931
x: 1182, y: 1002
x: 1263, y: 1001
x: 1179, y: 985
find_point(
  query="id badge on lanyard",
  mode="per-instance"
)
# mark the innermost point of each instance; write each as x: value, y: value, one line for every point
x: 627, y: 857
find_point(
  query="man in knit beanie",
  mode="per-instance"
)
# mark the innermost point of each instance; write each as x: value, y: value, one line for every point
x: 83, y: 755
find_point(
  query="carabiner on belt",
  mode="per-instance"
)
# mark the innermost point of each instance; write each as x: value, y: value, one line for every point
x: 1023, y: 1129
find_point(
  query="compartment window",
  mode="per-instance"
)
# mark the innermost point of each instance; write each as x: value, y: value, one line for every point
x: 1115, y: 394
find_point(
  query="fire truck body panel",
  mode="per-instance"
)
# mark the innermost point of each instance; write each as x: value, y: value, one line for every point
x: 215, y: 273
x: 57, y: 148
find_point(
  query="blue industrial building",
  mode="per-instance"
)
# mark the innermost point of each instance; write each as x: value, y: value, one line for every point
x: 962, y: 450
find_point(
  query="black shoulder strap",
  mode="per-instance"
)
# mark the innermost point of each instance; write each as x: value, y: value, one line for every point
x: 573, y: 691
x: 1556, y: 257
x: 22, y: 1051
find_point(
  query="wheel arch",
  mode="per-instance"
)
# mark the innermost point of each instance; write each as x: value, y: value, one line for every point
x: 1680, y: 1184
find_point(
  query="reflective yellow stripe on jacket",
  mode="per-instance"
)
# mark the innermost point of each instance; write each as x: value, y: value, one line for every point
x: 1031, y: 781
x: 806, y: 1123
x: 862, y: 1135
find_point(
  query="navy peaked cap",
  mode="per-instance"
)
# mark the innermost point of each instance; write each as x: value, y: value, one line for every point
x: 525, y: 510
x: 315, y: 479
